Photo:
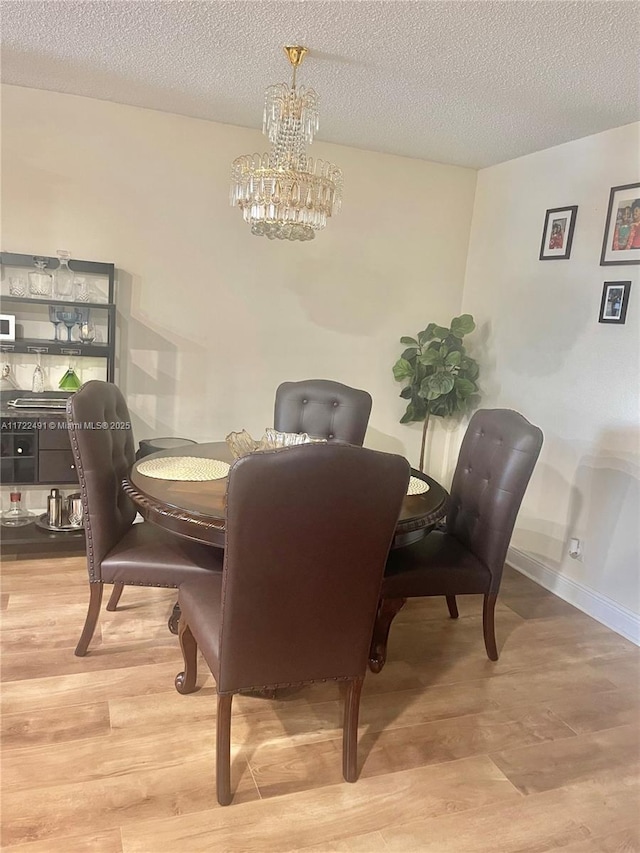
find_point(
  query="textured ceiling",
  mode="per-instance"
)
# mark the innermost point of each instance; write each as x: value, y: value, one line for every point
x: 470, y: 83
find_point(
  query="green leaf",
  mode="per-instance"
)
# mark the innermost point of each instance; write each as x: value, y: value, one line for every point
x: 409, y: 353
x: 408, y: 415
x: 419, y: 409
x: 440, y: 332
x: 439, y: 407
x: 425, y: 336
x: 464, y: 387
x: 436, y: 386
x: 407, y: 340
x: 431, y: 356
x: 463, y: 325
x: 469, y: 368
x: 453, y: 359
x: 454, y: 343
x: 407, y: 392
x: 402, y: 369
x: 420, y: 372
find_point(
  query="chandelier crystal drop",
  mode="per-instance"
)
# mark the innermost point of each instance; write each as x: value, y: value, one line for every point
x: 285, y: 194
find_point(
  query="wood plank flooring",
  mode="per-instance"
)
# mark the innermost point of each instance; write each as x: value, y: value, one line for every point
x: 536, y: 752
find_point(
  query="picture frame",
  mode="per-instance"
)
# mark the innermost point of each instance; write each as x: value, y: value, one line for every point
x: 614, y: 302
x: 557, y: 233
x: 621, y: 240
x: 7, y: 327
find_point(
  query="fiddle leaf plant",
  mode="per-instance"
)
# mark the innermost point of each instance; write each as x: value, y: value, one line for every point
x: 440, y: 377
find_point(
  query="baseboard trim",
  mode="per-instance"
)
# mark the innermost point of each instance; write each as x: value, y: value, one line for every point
x: 620, y: 619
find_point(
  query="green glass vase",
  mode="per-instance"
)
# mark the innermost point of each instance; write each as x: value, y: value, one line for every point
x: 70, y: 381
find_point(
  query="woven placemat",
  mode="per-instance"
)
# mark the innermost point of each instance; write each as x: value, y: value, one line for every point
x: 183, y: 468
x: 417, y: 486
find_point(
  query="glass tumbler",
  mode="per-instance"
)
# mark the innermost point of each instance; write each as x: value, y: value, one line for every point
x: 81, y: 289
x: 17, y: 286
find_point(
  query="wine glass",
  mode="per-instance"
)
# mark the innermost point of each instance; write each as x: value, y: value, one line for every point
x: 53, y: 318
x: 68, y: 316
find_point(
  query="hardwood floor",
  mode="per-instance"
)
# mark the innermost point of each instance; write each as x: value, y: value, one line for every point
x: 536, y: 752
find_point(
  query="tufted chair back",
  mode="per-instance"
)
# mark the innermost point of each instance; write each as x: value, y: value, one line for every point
x: 103, y: 448
x: 308, y: 532
x: 324, y: 409
x: 497, y: 456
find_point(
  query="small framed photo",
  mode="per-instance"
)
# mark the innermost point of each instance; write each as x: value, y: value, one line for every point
x: 621, y: 241
x: 557, y: 234
x: 613, y: 307
x: 7, y: 327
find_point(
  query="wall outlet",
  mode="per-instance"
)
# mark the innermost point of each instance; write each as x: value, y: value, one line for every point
x: 575, y: 548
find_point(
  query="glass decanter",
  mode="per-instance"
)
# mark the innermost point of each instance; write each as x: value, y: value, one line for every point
x: 64, y: 277
x: 40, y: 280
x: 16, y: 515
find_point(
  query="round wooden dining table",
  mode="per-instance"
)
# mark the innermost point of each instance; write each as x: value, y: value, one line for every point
x: 196, y: 509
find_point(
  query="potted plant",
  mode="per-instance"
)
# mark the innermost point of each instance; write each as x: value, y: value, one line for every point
x: 440, y: 376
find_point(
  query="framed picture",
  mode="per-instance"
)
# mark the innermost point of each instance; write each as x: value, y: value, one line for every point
x: 615, y: 297
x: 7, y: 327
x: 621, y: 241
x: 557, y: 234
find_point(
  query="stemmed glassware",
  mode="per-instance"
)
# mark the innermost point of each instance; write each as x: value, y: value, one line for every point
x: 53, y: 318
x: 69, y: 317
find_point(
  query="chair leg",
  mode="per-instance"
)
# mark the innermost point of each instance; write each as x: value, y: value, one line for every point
x: 223, y: 749
x: 350, y: 730
x: 116, y: 592
x: 174, y: 619
x: 388, y: 608
x: 95, y: 600
x: 186, y: 680
x: 488, y: 626
x: 453, y: 606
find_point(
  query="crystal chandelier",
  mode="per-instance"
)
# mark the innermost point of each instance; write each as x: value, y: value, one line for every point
x: 285, y: 194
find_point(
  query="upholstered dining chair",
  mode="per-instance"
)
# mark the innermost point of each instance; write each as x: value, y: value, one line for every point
x: 497, y: 457
x: 323, y: 409
x: 308, y: 530
x: 120, y: 552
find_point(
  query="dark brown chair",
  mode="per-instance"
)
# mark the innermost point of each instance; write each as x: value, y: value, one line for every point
x: 120, y: 552
x: 308, y: 532
x: 324, y: 409
x: 497, y: 456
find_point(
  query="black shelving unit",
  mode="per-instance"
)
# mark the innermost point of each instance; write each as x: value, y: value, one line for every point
x: 29, y: 345
x: 34, y: 451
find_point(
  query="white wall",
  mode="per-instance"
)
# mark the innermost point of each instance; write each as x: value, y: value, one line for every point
x: 211, y: 318
x: 547, y: 356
